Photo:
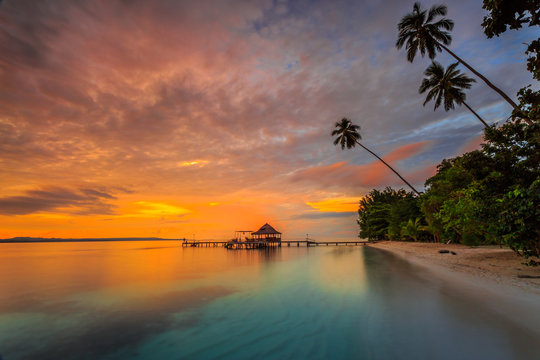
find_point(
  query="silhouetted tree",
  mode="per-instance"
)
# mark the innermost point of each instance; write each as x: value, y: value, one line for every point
x: 446, y: 86
x: 420, y: 32
x: 347, y: 135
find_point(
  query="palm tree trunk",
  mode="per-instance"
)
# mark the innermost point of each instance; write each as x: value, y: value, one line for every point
x: 391, y: 168
x: 496, y: 89
x: 475, y: 114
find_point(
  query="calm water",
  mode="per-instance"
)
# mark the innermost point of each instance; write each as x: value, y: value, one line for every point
x: 157, y: 300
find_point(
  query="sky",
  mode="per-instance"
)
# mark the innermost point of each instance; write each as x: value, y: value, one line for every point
x: 176, y: 119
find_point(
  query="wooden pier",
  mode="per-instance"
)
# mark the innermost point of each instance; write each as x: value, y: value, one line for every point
x: 266, y: 244
x: 194, y: 243
x: 265, y: 237
x: 324, y: 243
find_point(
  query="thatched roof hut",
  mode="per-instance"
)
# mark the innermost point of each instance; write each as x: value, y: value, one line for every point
x: 267, y: 232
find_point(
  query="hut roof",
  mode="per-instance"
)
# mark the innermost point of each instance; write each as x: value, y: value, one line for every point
x: 266, y: 229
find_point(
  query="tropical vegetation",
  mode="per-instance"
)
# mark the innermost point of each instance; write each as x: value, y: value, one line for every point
x: 486, y: 196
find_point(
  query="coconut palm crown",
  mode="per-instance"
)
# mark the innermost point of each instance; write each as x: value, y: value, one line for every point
x: 347, y: 136
x: 346, y: 133
x: 420, y: 33
x: 446, y: 87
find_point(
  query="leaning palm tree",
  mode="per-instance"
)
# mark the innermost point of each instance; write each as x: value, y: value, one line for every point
x: 347, y: 135
x: 445, y: 86
x: 420, y: 33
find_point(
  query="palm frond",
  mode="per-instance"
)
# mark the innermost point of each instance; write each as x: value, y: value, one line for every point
x: 412, y: 47
x: 431, y: 49
x: 431, y: 94
x: 445, y: 24
x: 436, y: 10
x: 438, y: 100
x: 448, y: 100
x: 347, y: 133
x: 424, y: 86
x: 417, y: 30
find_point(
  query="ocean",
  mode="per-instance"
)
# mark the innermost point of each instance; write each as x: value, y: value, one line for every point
x: 159, y: 300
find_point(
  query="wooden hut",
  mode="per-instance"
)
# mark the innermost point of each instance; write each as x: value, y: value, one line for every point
x: 267, y: 233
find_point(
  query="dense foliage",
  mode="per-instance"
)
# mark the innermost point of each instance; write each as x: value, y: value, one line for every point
x: 385, y: 214
x: 487, y: 196
x: 511, y: 14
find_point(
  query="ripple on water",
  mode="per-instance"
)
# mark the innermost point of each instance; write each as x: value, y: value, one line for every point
x: 86, y: 301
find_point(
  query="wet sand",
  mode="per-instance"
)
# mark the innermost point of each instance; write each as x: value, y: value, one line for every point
x: 495, y: 264
x: 480, y: 272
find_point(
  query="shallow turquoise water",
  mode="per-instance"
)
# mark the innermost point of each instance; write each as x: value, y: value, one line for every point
x: 144, y: 300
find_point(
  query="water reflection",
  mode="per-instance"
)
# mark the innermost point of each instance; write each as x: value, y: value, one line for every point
x: 340, y: 270
x: 142, y: 300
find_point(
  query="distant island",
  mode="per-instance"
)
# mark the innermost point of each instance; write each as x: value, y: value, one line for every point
x: 40, y: 239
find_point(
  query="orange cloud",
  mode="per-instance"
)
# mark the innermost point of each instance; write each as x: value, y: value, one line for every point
x: 157, y: 209
x: 195, y: 162
x: 406, y: 151
x: 471, y: 144
x: 345, y: 175
x: 336, y: 204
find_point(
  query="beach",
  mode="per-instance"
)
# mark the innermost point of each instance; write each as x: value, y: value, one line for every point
x: 488, y: 274
x: 491, y: 263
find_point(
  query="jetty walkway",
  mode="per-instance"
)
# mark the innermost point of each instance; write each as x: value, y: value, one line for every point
x: 264, y: 244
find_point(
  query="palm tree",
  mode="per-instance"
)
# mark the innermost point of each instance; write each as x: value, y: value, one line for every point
x: 412, y: 229
x: 446, y: 86
x: 347, y: 135
x: 418, y: 31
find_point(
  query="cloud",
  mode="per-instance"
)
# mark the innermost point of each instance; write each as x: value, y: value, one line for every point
x: 155, y: 209
x: 335, y: 204
x: 195, y: 162
x: 130, y: 94
x: 472, y: 144
x: 81, y: 202
x: 346, y: 175
x: 325, y: 215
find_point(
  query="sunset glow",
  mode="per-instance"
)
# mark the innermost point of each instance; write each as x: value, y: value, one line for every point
x: 195, y: 119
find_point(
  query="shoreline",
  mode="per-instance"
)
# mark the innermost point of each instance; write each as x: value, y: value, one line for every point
x: 486, y: 274
x: 490, y: 263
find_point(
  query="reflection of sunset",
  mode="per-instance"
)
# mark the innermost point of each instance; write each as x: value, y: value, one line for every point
x: 334, y: 271
x: 148, y: 266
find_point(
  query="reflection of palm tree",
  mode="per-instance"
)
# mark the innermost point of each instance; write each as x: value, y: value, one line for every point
x: 420, y: 33
x: 446, y: 87
x: 347, y: 135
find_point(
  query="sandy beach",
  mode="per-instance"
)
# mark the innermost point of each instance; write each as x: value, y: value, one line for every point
x: 488, y: 274
x: 490, y: 263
